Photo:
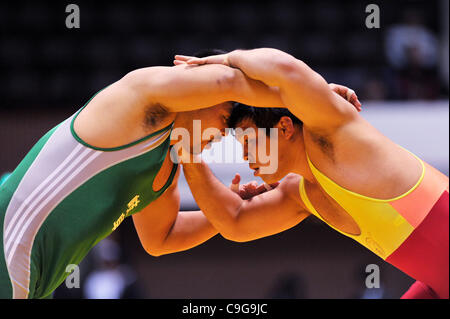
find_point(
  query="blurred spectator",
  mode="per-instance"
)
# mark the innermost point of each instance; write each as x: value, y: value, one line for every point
x: 412, y: 52
x: 111, y: 279
x: 288, y: 286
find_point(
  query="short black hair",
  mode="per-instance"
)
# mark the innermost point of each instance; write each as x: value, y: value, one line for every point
x: 207, y: 52
x: 261, y: 116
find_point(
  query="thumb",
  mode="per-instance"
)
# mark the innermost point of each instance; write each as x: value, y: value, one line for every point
x: 235, y: 183
x: 236, y: 179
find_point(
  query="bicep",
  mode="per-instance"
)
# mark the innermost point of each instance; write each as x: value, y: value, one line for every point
x: 189, y: 224
x: 185, y: 88
x: 154, y: 222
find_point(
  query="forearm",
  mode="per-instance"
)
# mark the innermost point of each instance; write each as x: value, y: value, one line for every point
x: 243, y: 220
x: 304, y: 91
x: 219, y: 204
x: 170, y: 232
x: 181, y: 88
x: 163, y: 229
x: 253, y: 92
x: 190, y: 229
x: 267, y: 65
x: 185, y: 88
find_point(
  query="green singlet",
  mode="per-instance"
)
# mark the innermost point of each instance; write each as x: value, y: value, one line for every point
x: 64, y: 197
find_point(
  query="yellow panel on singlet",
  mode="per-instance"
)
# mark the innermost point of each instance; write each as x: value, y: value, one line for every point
x: 383, y: 228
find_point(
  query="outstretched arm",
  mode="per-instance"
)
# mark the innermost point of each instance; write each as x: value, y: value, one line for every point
x: 244, y: 220
x: 153, y: 95
x: 303, y: 91
x: 189, y: 87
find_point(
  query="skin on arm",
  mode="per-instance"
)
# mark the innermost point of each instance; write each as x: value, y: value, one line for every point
x: 244, y: 220
x: 189, y: 87
x: 163, y: 229
x: 125, y: 105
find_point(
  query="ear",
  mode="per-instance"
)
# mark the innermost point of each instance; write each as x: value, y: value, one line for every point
x: 285, y: 127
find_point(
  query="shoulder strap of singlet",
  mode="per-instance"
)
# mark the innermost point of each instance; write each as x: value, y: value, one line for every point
x: 170, y: 179
x: 305, y: 198
x: 118, y: 148
x: 111, y: 149
x: 328, y: 184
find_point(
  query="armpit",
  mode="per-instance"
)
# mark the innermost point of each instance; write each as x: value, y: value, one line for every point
x: 154, y: 115
x: 324, y: 142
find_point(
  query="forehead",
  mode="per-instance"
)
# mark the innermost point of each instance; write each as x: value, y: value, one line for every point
x: 246, y: 128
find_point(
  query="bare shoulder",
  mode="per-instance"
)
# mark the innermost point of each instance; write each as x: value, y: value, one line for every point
x: 140, y: 79
x: 122, y: 113
x: 290, y: 186
x: 162, y: 75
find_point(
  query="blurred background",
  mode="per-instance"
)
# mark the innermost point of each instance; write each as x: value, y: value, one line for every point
x: 400, y: 72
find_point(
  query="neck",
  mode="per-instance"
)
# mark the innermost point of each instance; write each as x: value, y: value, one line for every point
x: 299, y: 161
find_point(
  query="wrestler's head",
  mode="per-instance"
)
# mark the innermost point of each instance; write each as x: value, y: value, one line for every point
x: 209, y: 123
x: 245, y: 120
x: 201, y: 127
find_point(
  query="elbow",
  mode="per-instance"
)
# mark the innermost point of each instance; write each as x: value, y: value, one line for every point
x: 154, y: 250
x: 239, y: 236
x: 234, y: 237
x: 234, y: 232
x: 230, y: 80
x: 229, y: 234
x: 282, y: 61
